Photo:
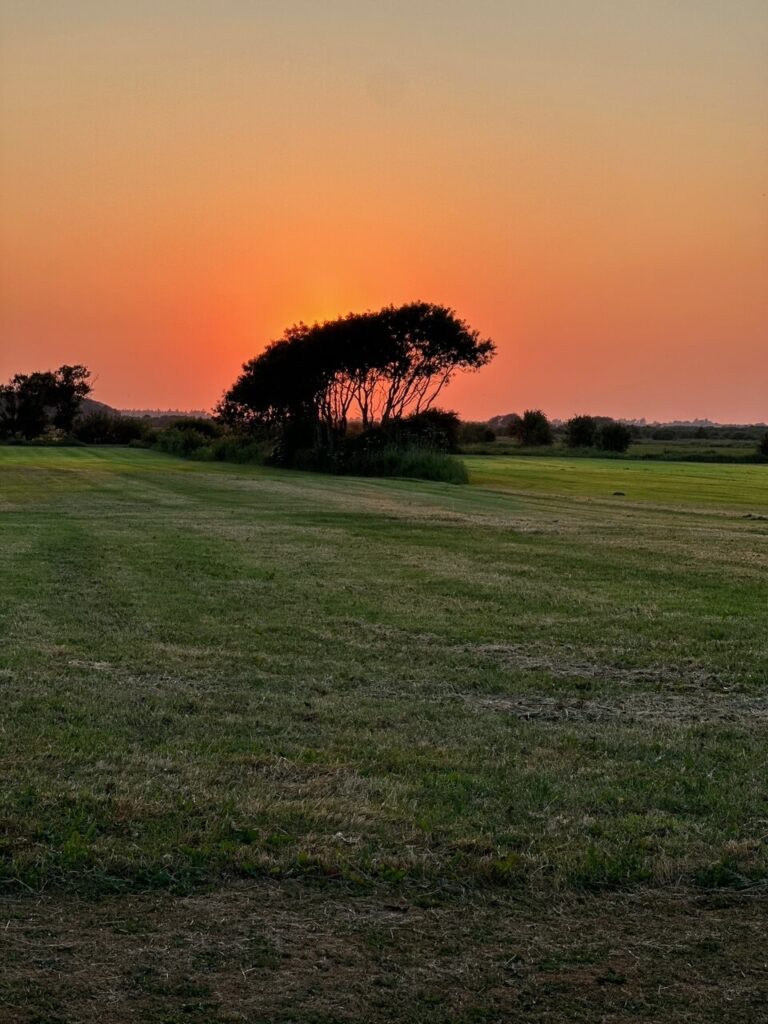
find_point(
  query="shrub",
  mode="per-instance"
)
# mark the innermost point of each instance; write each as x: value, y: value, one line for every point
x: 414, y: 462
x: 581, y: 432
x: 435, y: 428
x: 762, y: 447
x: 614, y: 437
x: 180, y: 441
x: 535, y: 429
x: 294, y: 436
x: 200, y: 424
x: 236, y: 449
x: 475, y: 433
x: 393, y: 450
x: 381, y: 451
x: 101, y: 427
x: 513, y: 424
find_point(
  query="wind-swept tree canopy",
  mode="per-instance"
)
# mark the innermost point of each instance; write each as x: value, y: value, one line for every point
x: 373, y: 366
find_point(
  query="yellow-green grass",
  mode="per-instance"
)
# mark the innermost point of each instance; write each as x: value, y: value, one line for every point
x: 692, y: 449
x: 703, y: 485
x: 696, y: 447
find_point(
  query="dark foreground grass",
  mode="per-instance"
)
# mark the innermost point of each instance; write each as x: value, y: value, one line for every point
x: 288, y: 953
x: 450, y: 700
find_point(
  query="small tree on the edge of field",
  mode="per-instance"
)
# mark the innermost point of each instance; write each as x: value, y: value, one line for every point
x: 535, y: 429
x: 31, y: 403
x: 762, y: 447
x: 581, y: 432
x: 614, y: 437
x: 512, y: 424
x: 72, y: 385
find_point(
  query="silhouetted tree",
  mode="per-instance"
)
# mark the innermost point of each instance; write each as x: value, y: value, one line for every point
x: 26, y: 402
x: 513, y: 425
x: 581, y: 432
x: 32, y: 402
x: 475, y: 433
x: 762, y: 446
x: 614, y: 437
x: 282, y: 389
x: 379, y: 367
x: 535, y: 429
x: 71, y: 386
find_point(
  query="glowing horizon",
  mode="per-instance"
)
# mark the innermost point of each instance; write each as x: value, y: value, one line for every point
x: 583, y: 182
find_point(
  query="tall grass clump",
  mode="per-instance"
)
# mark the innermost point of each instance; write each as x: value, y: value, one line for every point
x: 416, y: 462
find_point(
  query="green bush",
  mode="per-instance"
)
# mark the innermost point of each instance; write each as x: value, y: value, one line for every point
x: 236, y: 449
x: 181, y: 441
x: 415, y: 462
x: 200, y: 424
x: 100, y: 427
x: 389, y: 451
x: 434, y: 428
x: 614, y: 437
x: 364, y: 455
x: 534, y: 429
x: 581, y: 432
x: 475, y: 433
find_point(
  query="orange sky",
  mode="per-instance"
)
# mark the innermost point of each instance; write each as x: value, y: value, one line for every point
x: 583, y: 180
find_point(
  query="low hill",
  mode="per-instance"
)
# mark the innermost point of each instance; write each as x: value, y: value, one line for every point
x: 158, y: 417
x: 91, y: 405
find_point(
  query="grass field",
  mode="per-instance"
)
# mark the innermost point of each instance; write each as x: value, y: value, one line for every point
x: 700, y: 485
x: 692, y: 449
x: 287, y: 747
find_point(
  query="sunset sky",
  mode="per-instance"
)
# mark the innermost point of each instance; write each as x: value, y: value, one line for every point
x: 583, y: 180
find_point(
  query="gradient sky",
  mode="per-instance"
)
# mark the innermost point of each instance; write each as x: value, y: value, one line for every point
x: 583, y: 180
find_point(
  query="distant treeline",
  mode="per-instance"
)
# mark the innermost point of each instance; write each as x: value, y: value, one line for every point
x: 686, y: 432
x: 508, y: 425
x: 586, y: 434
x: 357, y: 396
x: 164, y: 414
x: 533, y: 429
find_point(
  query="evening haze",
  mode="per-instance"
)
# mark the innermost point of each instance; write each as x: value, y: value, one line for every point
x: 583, y: 180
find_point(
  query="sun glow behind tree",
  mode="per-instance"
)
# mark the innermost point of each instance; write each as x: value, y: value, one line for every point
x: 375, y: 367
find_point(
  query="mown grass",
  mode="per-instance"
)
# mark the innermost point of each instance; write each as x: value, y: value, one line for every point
x: 283, y: 953
x: 702, y: 486
x: 701, y: 450
x: 212, y: 672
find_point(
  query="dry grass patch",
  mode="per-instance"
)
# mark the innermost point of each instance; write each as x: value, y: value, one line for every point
x: 285, y: 953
